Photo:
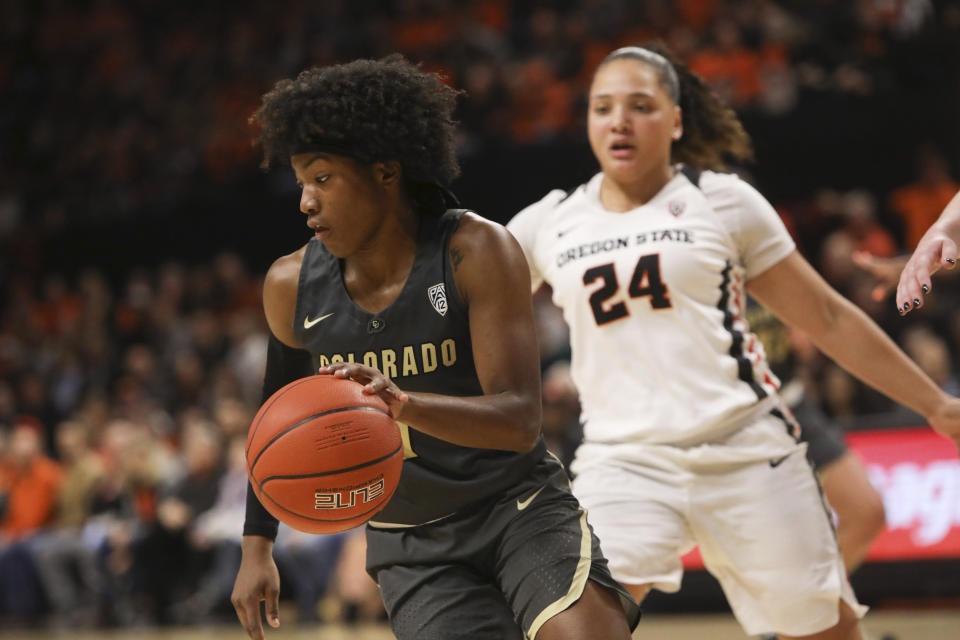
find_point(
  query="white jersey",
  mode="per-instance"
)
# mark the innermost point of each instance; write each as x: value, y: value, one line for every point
x: 655, y: 300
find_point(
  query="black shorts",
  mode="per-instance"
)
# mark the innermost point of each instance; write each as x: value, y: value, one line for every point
x: 496, y: 573
x: 824, y: 437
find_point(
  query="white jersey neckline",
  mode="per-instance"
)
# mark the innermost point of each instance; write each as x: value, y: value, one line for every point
x: 591, y: 192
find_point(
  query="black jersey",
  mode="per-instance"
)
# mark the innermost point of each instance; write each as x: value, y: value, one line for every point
x: 422, y: 342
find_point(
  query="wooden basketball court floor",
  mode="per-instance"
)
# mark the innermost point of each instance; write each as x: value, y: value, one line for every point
x: 880, y: 625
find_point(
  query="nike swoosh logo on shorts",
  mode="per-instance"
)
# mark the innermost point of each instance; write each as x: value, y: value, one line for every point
x: 776, y: 463
x: 307, y: 322
x: 523, y: 504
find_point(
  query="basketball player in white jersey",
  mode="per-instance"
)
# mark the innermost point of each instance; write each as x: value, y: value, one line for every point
x: 685, y: 438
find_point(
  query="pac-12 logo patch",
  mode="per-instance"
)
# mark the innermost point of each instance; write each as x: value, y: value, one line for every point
x: 676, y: 207
x: 438, y: 298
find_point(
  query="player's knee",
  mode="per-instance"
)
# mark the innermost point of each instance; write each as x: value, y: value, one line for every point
x: 848, y: 624
x: 875, y: 515
x: 868, y: 519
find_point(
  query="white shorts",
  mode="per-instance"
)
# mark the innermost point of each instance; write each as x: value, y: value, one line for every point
x: 764, y: 530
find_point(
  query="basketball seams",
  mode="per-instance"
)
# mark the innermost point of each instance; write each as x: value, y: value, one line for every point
x: 335, y: 471
x: 264, y: 410
x: 305, y: 421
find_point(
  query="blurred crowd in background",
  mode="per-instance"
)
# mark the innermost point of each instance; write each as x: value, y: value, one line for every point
x: 128, y: 107
x: 125, y: 399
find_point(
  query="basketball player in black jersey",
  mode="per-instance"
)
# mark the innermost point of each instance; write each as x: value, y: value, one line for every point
x: 430, y: 309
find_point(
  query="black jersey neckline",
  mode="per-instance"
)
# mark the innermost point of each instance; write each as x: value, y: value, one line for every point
x: 359, y: 312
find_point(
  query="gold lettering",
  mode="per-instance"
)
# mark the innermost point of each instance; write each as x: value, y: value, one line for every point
x: 336, y: 358
x: 350, y: 357
x: 324, y: 361
x: 370, y: 359
x: 408, y: 451
x: 448, y: 350
x: 409, y: 362
x: 389, y: 359
x: 429, y: 352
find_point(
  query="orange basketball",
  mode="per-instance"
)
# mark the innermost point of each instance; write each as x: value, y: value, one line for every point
x: 322, y: 456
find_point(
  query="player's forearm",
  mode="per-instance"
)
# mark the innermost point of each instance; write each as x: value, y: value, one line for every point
x: 258, y: 521
x: 508, y: 421
x: 254, y: 544
x: 857, y: 344
x: 949, y: 221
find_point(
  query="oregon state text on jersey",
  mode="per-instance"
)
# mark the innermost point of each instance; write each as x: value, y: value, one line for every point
x: 422, y: 342
x: 655, y: 299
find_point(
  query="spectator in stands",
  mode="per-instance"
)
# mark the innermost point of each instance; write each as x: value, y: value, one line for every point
x: 30, y: 480
x: 29, y: 484
x: 64, y: 557
x: 920, y: 202
x: 214, y: 532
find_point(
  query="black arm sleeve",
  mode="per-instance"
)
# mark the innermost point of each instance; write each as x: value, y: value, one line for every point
x: 284, y: 365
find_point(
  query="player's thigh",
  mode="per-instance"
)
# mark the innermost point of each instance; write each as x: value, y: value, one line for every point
x: 764, y: 531
x: 637, y: 515
x: 445, y: 602
x: 547, y: 557
x: 850, y: 492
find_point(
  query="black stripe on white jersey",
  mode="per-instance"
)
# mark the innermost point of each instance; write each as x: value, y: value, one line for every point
x: 744, y: 368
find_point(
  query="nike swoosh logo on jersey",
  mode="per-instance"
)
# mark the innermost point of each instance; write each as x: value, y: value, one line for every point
x: 776, y: 463
x: 523, y: 504
x: 560, y: 234
x: 307, y: 322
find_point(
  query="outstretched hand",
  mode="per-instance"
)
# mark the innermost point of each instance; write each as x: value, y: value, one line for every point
x: 886, y: 271
x: 936, y: 251
x: 373, y: 381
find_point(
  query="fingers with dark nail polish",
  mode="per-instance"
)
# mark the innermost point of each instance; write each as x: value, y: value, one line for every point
x: 925, y: 288
x: 906, y: 306
x: 951, y: 260
x: 916, y: 302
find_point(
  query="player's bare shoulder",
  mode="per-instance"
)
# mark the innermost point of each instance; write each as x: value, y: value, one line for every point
x: 481, y: 249
x: 480, y: 240
x: 280, y: 295
x: 285, y: 270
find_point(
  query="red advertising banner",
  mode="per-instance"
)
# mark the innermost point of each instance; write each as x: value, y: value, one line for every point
x: 917, y: 471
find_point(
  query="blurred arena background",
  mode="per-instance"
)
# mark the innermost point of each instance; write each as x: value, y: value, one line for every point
x: 135, y: 227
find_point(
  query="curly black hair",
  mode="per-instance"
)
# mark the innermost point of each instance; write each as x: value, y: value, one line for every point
x: 370, y: 110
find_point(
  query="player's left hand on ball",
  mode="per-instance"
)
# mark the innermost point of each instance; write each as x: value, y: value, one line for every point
x: 373, y: 381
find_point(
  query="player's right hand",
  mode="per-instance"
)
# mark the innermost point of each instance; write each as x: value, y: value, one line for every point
x: 946, y: 419
x: 258, y: 579
x: 934, y: 252
x: 374, y: 383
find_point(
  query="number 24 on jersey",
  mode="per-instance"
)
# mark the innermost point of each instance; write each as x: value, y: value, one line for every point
x: 644, y: 282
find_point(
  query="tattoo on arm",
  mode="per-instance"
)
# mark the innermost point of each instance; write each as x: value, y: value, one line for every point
x: 456, y: 257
